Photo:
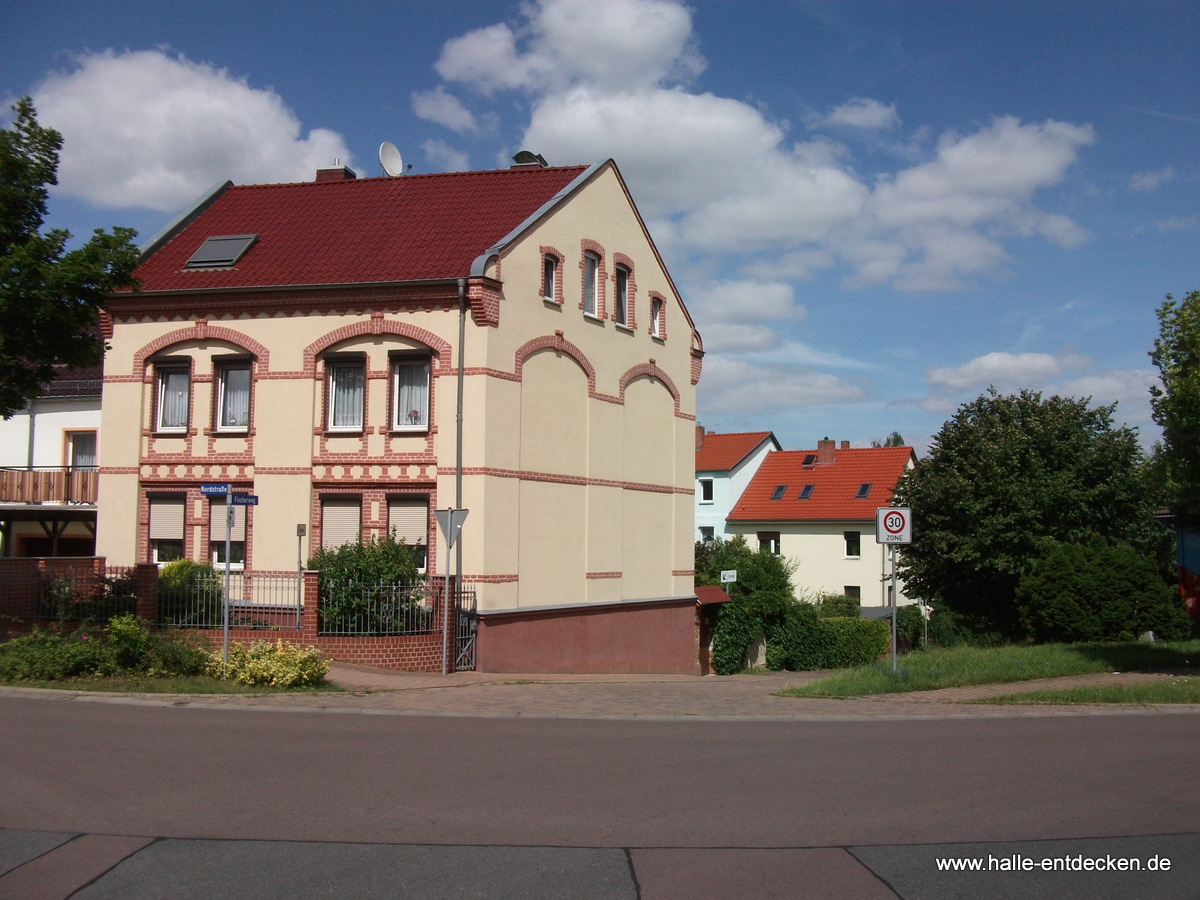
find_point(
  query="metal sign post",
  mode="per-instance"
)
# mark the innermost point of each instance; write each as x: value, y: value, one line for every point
x: 223, y: 490
x: 450, y: 524
x: 893, y: 526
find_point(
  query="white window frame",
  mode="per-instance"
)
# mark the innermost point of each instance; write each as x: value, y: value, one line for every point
x: 706, y: 482
x: 621, y: 300
x: 217, y: 511
x: 549, y: 277
x: 224, y: 370
x: 164, y: 374
x: 73, y: 441
x: 332, y: 367
x: 162, y: 529
x: 656, y: 315
x: 846, y: 539
x: 403, y: 419
x: 591, y: 284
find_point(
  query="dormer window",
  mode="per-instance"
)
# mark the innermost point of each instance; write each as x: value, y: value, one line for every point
x: 221, y: 252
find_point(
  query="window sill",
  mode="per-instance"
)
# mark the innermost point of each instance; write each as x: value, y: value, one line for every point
x: 344, y: 432
x: 593, y: 318
x: 231, y: 432
x: 409, y: 429
x: 170, y: 432
x: 628, y: 329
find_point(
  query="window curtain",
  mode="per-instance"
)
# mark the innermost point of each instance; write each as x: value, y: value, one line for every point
x: 412, y: 394
x: 235, y: 402
x: 347, y: 397
x: 83, y: 450
x: 173, y: 404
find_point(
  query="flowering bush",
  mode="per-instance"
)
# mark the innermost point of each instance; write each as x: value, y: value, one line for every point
x: 275, y: 665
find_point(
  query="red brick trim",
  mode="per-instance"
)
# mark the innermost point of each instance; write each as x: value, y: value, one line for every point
x: 662, y: 316
x: 596, y: 576
x: 556, y: 478
x: 202, y: 331
x: 375, y: 325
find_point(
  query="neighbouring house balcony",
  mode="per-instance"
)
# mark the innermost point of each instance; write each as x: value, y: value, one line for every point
x: 48, y: 484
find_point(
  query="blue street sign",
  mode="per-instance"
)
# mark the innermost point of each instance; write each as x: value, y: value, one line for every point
x: 245, y: 499
x: 214, y: 489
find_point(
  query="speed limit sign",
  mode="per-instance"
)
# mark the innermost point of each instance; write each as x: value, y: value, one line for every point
x: 893, y: 526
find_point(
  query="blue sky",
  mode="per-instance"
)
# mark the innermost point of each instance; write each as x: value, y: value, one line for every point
x: 873, y: 210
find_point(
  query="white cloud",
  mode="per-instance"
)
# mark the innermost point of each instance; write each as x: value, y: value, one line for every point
x: 739, y: 316
x: 737, y: 387
x: 718, y: 177
x: 444, y: 157
x: 620, y: 44
x: 1004, y: 371
x: 1175, y: 223
x: 1151, y: 181
x: 155, y: 130
x: 443, y: 108
x: 863, y: 113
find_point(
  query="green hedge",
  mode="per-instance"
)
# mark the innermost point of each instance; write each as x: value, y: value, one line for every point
x: 803, y: 642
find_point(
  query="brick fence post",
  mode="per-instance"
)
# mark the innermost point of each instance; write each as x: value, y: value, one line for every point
x: 146, y: 589
x: 309, y: 624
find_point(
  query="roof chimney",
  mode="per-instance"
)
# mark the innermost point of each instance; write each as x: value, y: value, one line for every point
x: 336, y: 173
x: 826, y: 451
x: 699, y: 436
x: 845, y: 445
x: 529, y: 158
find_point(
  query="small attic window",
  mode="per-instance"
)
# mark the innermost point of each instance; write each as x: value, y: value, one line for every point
x: 779, y: 492
x: 221, y: 252
x: 809, y: 459
x: 863, y: 490
x: 806, y: 492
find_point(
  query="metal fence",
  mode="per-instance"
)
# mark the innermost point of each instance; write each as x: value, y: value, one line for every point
x: 353, y: 608
x: 74, y: 597
x: 256, y: 600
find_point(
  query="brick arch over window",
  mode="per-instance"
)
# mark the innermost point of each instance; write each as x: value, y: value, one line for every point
x: 202, y: 331
x: 650, y: 370
x: 559, y: 344
x: 375, y: 325
x: 620, y: 259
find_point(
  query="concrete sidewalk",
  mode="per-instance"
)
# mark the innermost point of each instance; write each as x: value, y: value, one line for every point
x: 368, y: 690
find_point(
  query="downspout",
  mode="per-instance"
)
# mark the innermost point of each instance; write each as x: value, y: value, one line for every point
x: 458, y: 452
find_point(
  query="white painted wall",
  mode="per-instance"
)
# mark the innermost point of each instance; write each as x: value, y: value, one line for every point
x: 727, y: 490
x: 49, y: 419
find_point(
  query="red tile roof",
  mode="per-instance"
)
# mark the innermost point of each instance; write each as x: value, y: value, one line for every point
x: 408, y: 228
x: 835, y: 485
x: 710, y: 593
x: 722, y: 452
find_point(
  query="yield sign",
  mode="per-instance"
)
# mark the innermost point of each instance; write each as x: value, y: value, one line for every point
x: 450, y: 522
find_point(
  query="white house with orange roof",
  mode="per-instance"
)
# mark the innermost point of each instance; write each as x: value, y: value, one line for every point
x: 817, y: 509
x: 725, y: 463
x: 358, y: 353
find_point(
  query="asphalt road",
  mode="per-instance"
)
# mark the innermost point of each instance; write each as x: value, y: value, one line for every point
x: 103, y: 799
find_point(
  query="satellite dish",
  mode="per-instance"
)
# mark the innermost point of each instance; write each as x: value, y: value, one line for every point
x: 389, y: 158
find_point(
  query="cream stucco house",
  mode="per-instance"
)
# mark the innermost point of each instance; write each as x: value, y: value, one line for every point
x: 358, y: 353
x: 817, y: 509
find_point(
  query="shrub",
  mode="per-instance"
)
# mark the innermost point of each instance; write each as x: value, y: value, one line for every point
x: 124, y: 646
x: 802, y: 641
x: 274, y: 665
x: 736, y: 630
x: 1098, y: 591
x: 838, y: 605
x: 357, y: 584
x: 190, y: 594
x: 910, y: 628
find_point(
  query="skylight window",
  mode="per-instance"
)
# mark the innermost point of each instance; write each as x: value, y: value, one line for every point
x: 806, y: 491
x: 779, y: 492
x: 863, y: 490
x: 221, y: 252
x: 809, y: 459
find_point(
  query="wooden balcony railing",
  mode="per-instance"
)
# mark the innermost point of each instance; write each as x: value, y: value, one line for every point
x: 48, y: 485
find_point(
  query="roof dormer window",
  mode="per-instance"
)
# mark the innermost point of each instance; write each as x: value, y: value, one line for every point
x: 221, y: 252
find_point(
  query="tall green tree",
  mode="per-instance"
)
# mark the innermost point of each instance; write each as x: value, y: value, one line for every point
x: 1176, y: 404
x: 50, y: 297
x: 1005, y: 473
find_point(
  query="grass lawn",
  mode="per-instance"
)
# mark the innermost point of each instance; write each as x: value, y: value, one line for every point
x: 924, y: 670
x: 1175, y: 689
